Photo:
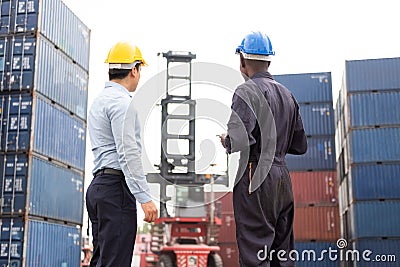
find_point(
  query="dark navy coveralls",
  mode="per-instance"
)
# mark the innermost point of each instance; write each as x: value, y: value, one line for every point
x: 262, y: 196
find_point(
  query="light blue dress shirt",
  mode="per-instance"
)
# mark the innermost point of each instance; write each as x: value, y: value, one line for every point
x: 114, y: 132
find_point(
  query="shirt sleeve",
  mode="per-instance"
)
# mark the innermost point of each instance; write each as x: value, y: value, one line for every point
x: 241, y: 123
x: 298, y: 145
x: 123, y: 119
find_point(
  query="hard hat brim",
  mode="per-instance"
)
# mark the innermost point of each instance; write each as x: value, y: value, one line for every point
x: 254, y: 56
x: 126, y: 66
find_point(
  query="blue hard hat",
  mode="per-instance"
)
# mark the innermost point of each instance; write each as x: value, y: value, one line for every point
x: 256, y: 43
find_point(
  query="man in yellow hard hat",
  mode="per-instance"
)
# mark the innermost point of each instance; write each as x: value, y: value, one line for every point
x: 119, y: 180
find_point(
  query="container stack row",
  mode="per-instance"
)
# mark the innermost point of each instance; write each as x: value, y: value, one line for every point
x: 44, y: 68
x: 368, y: 149
x: 313, y: 175
x: 223, y: 204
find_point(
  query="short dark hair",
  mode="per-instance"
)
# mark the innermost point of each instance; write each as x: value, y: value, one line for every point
x: 119, y: 74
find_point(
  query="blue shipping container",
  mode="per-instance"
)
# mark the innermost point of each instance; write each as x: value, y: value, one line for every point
x: 49, y: 18
x: 52, y: 191
x: 318, y: 119
x: 374, y: 182
x: 320, y: 155
x: 372, y: 74
x: 56, y: 133
x: 46, y: 244
x: 374, y: 145
x: 33, y: 63
x: 307, y: 250
x: 308, y: 87
x: 385, y: 252
x: 371, y: 109
x: 374, y: 219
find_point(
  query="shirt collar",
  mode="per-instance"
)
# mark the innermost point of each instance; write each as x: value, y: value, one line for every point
x: 265, y: 74
x: 118, y: 86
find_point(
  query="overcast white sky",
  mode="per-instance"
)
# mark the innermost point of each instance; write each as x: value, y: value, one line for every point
x: 308, y: 35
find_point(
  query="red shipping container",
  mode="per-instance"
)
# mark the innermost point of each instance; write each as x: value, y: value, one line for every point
x: 316, y: 223
x: 223, y: 201
x: 227, y: 231
x: 317, y: 188
x: 230, y: 254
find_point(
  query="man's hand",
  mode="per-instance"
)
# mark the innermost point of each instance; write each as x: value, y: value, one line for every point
x: 150, y: 212
x: 222, y: 137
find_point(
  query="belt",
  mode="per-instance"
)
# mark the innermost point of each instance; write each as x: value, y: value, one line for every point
x: 108, y: 171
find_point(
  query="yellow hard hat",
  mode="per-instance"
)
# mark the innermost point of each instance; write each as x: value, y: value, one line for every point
x: 124, y: 55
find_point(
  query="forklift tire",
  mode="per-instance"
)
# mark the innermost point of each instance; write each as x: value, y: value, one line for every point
x: 214, y: 260
x: 165, y: 261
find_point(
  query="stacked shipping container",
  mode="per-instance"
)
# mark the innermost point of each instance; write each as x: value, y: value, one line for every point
x: 44, y: 59
x: 229, y: 252
x: 368, y: 134
x: 316, y: 222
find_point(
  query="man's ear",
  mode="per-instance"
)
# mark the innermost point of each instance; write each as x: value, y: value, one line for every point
x: 134, y: 71
x: 242, y: 62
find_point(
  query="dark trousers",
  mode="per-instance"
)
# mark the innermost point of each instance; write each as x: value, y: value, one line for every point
x: 264, y: 219
x: 112, y: 211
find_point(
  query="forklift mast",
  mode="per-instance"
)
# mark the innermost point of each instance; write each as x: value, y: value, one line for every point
x: 168, y: 160
x: 190, y: 237
x: 178, y: 107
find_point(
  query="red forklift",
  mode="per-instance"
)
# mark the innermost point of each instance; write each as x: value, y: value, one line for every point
x: 189, y: 238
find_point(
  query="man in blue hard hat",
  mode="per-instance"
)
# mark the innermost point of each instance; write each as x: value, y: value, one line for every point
x: 264, y: 126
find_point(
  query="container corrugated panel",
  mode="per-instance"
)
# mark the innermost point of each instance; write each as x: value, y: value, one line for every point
x: 57, y: 134
x: 379, y: 247
x: 53, y: 244
x: 374, y: 219
x: 223, y: 201
x: 373, y: 74
x: 33, y: 63
x: 374, y: 182
x: 70, y: 148
x: 317, y: 188
x: 47, y: 244
x: 338, y: 106
x: 50, y: 188
x: 338, y: 140
x: 318, y: 119
x: 320, y: 155
x: 308, y: 87
x: 227, y: 232
x: 371, y: 109
x: 345, y: 225
x: 229, y: 253
x: 23, y: 16
x: 316, y: 223
x: 343, y: 196
x: 375, y: 145
x: 311, y: 254
x: 340, y: 166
